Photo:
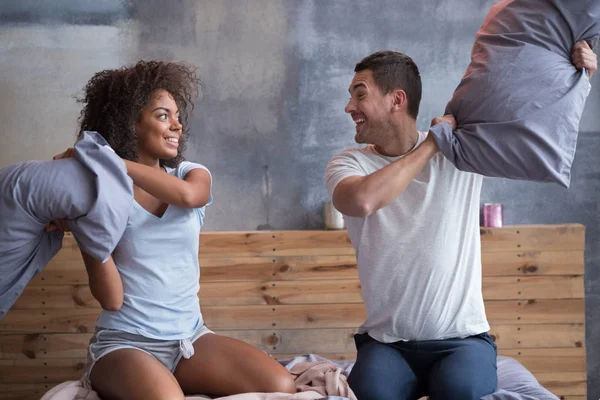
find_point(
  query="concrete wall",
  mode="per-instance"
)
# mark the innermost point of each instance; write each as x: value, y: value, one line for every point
x: 276, y: 75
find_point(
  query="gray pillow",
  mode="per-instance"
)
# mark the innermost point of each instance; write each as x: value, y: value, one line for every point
x: 520, y: 101
x: 92, y: 191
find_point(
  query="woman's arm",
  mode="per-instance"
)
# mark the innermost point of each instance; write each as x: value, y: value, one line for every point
x: 105, y: 282
x: 104, y: 278
x: 582, y: 56
x: 191, y: 192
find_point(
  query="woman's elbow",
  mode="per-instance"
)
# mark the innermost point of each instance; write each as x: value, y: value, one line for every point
x: 112, y: 305
x: 191, y: 199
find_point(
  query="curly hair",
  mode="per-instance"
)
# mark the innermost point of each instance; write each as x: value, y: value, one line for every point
x: 114, y: 98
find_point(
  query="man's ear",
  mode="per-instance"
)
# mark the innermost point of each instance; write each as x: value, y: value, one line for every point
x: 399, y: 100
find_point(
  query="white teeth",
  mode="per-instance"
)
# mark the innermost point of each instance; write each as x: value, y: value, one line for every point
x: 359, y: 121
x: 172, y: 140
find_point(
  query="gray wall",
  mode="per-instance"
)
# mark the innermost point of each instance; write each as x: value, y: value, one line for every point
x: 276, y: 75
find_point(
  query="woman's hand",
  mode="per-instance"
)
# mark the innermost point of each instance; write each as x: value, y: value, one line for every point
x: 57, y: 225
x: 449, y: 118
x: 582, y: 56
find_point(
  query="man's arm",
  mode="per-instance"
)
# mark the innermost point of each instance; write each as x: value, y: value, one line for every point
x: 360, y: 196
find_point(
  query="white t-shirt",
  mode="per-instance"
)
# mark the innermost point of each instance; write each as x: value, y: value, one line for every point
x: 419, y: 257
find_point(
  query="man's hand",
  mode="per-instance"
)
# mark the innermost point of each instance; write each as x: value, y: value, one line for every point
x: 57, y: 225
x: 582, y: 56
x: 449, y: 118
x: 68, y: 153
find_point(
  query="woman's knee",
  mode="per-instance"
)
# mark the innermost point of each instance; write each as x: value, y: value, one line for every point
x: 282, y: 383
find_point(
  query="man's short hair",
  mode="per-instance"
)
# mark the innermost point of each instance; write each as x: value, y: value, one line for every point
x: 393, y: 70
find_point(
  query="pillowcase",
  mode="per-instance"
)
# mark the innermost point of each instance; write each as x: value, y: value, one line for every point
x: 515, y: 382
x: 520, y: 101
x: 92, y: 191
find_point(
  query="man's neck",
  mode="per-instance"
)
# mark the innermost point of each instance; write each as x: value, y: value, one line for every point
x: 404, y: 140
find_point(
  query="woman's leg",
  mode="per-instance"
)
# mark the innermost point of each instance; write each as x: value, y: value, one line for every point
x: 130, y: 374
x: 224, y: 366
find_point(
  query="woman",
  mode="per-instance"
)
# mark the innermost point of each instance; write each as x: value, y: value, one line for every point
x: 150, y: 341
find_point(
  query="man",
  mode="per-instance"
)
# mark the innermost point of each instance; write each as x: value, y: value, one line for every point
x: 413, y: 220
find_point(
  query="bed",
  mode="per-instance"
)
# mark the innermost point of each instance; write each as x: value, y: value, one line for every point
x: 294, y: 293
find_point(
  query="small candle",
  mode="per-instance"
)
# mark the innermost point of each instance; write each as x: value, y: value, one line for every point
x: 333, y: 218
x: 492, y: 215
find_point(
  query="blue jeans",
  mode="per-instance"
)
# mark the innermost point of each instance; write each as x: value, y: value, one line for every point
x: 452, y: 369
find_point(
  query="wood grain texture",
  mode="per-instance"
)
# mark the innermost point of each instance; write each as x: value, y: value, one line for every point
x: 296, y: 292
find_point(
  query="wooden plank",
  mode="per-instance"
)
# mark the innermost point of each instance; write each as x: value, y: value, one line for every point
x: 219, y: 293
x: 509, y: 263
x: 55, y: 296
x: 303, y: 243
x: 282, y: 292
x: 533, y: 287
x: 533, y: 238
x: 285, y: 316
x: 24, y: 391
x: 519, y: 263
x: 67, y: 267
x: 41, y: 346
x: 225, y: 269
x: 535, y: 311
x: 274, y: 243
x: 216, y: 317
x: 293, y: 316
x: 549, y: 360
x: 57, y: 275
x: 518, y: 339
x: 51, y: 346
x: 266, y: 243
x: 522, y: 338
x: 305, y: 292
x: 52, y: 320
x: 40, y: 371
x: 551, y: 249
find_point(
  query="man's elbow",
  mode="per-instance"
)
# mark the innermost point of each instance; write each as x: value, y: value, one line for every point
x: 359, y: 208
x: 364, y: 209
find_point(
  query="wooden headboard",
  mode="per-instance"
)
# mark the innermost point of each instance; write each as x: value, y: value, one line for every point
x: 297, y: 292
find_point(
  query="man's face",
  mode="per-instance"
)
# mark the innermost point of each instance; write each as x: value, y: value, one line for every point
x: 370, y: 109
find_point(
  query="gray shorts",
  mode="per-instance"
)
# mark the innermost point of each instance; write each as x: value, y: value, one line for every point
x: 167, y: 352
